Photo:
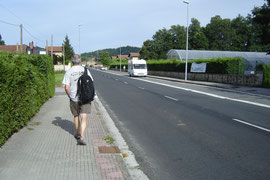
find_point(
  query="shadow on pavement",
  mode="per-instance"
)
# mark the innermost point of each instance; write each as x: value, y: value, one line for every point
x: 65, y: 125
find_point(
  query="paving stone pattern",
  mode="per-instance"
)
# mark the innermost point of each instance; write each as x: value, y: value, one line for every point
x: 46, y: 148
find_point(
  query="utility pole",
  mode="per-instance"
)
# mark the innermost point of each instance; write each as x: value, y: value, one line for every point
x: 97, y: 57
x: 80, y: 39
x: 46, y: 47
x: 64, y: 56
x: 21, y: 38
x: 120, y: 59
x: 186, y: 2
x: 52, y: 46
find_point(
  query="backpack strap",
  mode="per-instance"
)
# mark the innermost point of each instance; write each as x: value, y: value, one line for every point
x: 85, y: 71
x: 78, y: 87
x: 79, y: 83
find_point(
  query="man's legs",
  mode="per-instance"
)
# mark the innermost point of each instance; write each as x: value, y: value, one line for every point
x: 76, y: 122
x: 83, y: 123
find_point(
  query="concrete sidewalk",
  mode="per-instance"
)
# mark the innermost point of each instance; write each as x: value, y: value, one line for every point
x: 46, y: 148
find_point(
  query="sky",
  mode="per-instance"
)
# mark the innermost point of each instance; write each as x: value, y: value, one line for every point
x: 98, y: 24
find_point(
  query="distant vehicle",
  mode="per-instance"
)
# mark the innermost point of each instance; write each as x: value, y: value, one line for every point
x: 104, y: 68
x: 137, y: 67
x: 98, y: 66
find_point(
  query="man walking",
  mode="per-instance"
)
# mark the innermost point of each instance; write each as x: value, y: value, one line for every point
x: 77, y: 109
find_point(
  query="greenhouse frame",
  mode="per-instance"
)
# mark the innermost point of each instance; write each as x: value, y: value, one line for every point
x: 251, y: 59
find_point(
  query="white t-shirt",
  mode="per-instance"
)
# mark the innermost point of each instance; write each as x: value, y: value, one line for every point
x: 71, y: 78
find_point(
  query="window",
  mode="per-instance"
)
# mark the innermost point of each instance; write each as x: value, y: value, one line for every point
x: 139, y: 66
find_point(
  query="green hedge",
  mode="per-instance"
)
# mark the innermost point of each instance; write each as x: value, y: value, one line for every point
x: 26, y: 82
x: 214, y: 66
x: 266, y: 75
x: 116, y: 64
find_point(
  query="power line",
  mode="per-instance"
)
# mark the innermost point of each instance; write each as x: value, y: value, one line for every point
x: 23, y: 22
x: 32, y: 35
x: 10, y: 23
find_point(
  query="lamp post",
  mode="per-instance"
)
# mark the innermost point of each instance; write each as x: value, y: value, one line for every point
x: 120, y: 59
x: 187, y: 2
x: 80, y: 39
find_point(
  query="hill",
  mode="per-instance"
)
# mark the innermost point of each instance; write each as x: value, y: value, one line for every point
x: 112, y: 51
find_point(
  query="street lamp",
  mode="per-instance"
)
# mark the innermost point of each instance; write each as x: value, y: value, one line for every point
x: 80, y: 39
x: 187, y: 2
x: 120, y: 59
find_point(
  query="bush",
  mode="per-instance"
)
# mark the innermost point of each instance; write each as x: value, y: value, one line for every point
x: 214, y: 66
x: 26, y: 82
x: 266, y: 75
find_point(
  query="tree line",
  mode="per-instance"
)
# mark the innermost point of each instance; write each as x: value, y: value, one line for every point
x: 112, y: 52
x: 250, y: 33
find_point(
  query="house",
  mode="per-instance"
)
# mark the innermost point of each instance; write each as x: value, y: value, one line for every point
x: 122, y: 56
x: 134, y: 56
x: 114, y: 57
x: 13, y: 48
x: 35, y: 50
x: 83, y: 63
x: 57, y: 50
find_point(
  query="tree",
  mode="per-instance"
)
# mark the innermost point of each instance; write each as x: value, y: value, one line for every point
x: 254, y: 42
x: 261, y: 16
x: 179, y: 35
x: 112, y: 51
x: 219, y: 34
x: 1, y: 41
x: 163, y: 41
x: 105, y: 58
x: 197, y: 39
x: 69, y: 52
x: 148, y: 50
x: 242, y: 34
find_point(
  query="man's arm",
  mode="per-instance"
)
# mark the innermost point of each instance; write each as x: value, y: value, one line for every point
x: 67, y: 90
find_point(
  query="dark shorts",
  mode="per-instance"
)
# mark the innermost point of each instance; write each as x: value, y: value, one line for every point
x: 77, y: 109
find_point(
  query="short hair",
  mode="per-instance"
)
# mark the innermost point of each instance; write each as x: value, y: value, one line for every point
x: 76, y: 59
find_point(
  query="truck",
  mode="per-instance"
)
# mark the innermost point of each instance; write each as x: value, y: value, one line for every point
x: 137, y: 67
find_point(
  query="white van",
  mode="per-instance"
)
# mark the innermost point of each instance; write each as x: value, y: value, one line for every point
x: 137, y: 67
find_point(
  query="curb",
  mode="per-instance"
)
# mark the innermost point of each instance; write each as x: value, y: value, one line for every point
x: 129, y: 160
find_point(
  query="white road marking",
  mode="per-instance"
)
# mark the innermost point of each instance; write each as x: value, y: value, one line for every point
x: 125, y: 82
x: 208, y: 94
x: 141, y: 88
x: 264, y: 129
x: 116, y: 79
x: 180, y: 123
x: 201, y: 92
x: 171, y: 98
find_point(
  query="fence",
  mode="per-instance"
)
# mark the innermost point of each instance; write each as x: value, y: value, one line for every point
x: 242, y: 80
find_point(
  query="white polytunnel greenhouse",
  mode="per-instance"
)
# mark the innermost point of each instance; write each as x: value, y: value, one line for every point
x: 251, y: 59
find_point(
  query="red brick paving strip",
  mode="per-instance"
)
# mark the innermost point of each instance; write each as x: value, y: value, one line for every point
x: 107, y: 163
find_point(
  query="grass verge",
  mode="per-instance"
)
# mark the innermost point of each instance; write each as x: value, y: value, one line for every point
x: 59, y: 75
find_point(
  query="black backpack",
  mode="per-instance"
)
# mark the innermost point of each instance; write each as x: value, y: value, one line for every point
x: 86, y: 90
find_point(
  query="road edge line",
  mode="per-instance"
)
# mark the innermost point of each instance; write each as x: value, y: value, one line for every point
x: 252, y: 125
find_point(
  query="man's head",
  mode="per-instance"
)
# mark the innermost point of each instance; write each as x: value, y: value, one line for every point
x: 76, y: 59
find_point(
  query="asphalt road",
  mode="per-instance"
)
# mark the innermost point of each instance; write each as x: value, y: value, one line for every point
x: 180, y: 131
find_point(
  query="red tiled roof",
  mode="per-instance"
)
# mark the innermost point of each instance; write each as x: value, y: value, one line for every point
x: 91, y: 60
x: 123, y: 56
x: 55, y: 48
x: 134, y: 55
x: 12, y: 48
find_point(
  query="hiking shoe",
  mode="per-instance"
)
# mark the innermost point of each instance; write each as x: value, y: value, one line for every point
x: 81, y: 142
x: 77, y: 136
